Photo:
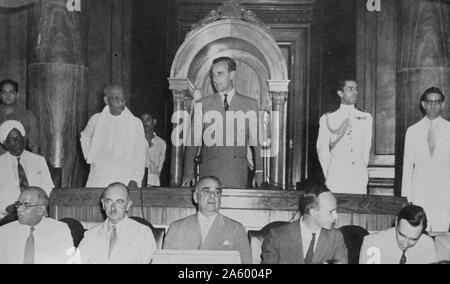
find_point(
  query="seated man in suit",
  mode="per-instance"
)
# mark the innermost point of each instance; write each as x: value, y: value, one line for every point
x: 34, y: 238
x: 19, y: 169
x: 406, y: 243
x: 312, y: 239
x: 208, y: 229
x: 119, y: 240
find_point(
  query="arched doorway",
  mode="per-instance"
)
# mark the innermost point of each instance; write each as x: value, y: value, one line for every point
x: 262, y: 73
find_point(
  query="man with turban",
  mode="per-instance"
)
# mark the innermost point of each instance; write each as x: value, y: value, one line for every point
x: 19, y: 168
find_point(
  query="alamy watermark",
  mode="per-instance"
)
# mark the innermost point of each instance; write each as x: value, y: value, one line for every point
x: 373, y: 5
x: 234, y: 129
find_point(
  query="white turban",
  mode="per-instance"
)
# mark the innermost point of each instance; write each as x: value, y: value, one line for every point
x: 7, y: 126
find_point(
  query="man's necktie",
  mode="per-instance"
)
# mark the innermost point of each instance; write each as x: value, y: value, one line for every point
x: 403, y: 258
x: 310, y: 253
x: 23, y: 181
x: 225, y: 103
x: 431, y: 139
x: 112, y: 240
x: 28, y: 257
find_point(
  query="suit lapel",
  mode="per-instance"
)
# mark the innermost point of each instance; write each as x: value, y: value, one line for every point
x: 298, y: 243
x: 215, y: 234
x: 320, y: 254
x: 196, y: 231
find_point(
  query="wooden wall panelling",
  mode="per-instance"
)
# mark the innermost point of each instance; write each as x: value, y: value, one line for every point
x: 13, y: 48
x: 253, y: 208
x: 376, y: 76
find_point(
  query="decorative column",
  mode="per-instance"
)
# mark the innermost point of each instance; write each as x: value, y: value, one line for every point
x: 57, y: 84
x: 279, y: 92
x: 179, y: 88
x: 424, y: 61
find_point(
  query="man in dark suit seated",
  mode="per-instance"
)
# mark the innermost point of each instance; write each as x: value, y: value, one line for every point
x: 208, y: 229
x: 311, y: 239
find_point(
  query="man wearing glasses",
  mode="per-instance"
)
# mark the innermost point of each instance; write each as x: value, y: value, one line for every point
x: 34, y: 238
x: 19, y: 169
x: 9, y: 110
x: 114, y: 144
x: 426, y: 165
x: 119, y: 240
x: 208, y: 229
x: 406, y: 243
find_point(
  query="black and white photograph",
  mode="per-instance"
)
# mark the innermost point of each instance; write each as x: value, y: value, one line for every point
x: 237, y: 133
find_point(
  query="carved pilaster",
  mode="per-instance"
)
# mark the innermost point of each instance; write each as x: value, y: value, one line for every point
x: 279, y: 94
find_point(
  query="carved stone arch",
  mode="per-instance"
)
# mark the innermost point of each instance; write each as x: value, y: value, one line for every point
x: 235, y: 32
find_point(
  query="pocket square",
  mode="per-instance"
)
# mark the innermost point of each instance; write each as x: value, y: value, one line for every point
x: 227, y: 243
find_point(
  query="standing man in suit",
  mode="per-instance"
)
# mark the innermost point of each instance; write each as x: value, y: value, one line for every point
x: 344, y: 142
x: 227, y: 162
x: 208, y: 229
x: 119, y: 240
x: 426, y: 164
x: 312, y: 239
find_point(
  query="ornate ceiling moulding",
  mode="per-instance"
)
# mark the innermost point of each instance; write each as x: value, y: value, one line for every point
x: 231, y: 9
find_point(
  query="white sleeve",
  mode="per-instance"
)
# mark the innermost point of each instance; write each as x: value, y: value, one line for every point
x: 323, y: 145
x: 139, y: 153
x: 368, y: 139
x: 87, y: 135
x: 148, y: 247
x: 408, y: 165
x: 162, y: 157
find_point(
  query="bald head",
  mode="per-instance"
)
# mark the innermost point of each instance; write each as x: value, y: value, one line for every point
x: 33, y: 202
x: 37, y: 193
x: 116, y: 202
x: 115, y: 99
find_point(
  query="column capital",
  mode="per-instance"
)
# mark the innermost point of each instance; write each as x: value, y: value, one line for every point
x: 278, y: 85
x: 279, y: 98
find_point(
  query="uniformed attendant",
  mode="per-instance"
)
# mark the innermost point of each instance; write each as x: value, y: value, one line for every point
x: 344, y: 142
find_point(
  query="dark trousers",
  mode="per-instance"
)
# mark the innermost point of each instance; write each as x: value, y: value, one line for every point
x: 8, y: 219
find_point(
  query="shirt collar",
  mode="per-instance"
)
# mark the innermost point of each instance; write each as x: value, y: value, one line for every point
x: 305, y: 230
x: 230, y: 95
x: 119, y: 225
x: 348, y: 108
x: 204, y: 219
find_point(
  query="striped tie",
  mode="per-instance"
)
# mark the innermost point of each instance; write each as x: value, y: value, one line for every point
x: 23, y: 181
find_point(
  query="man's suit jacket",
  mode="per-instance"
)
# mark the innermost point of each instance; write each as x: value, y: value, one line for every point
x: 224, y: 234
x: 426, y: 178
x: 229, y: 163
x: 283, y: 245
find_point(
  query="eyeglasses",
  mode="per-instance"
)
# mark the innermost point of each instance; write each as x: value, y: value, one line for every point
x: 119, y: 202
x: 433, y: 102
x: 25, y: 205
x: 11, y: 92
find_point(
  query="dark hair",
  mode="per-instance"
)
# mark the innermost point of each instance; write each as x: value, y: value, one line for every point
x: 341, y: 84
x: 230, y: 62
x: 119, y: 184
x: 10, y: 82
x: 216, y: 179
x: 432, y: 90
x: 414, y: 215
x: 309, y: 198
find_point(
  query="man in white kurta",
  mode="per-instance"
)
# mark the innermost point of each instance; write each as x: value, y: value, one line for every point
x: 119, y: 240
x: 114, y: 144
x: 426, y: 164
x: 156, y: 151
x: 12, y: 135
x: 52, y: 241
x: 344, y: 143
